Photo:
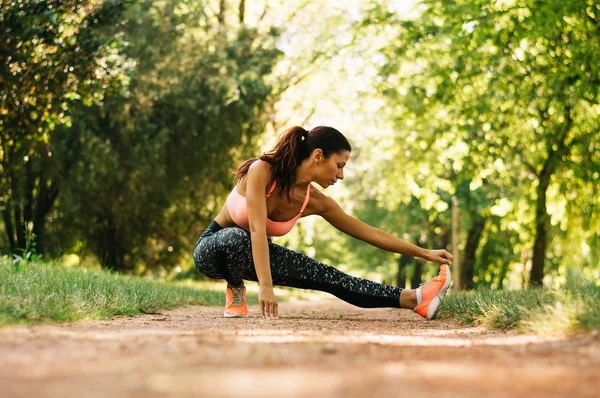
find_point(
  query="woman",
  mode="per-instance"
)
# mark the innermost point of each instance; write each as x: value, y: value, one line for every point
x: 270, y: 194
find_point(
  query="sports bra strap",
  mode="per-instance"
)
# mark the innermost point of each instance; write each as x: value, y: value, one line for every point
x: 272, y: 188
x: 306, y: 200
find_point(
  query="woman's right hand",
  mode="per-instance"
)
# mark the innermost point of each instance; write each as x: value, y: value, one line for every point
x: 438, y: 256
x: 268, y: 302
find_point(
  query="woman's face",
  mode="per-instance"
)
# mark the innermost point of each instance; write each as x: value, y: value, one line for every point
x: 329, y: 170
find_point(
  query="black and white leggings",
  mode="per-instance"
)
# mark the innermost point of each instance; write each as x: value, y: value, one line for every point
x: 226, y: 253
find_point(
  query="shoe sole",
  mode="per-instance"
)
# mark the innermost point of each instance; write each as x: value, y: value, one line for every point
x: 436, y: 302
x: 226, y: 315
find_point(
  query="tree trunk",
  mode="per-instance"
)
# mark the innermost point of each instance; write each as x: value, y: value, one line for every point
x: 110, y: 247
x: 45, y: 202
x: 110, y: 252
x: 556, y: 153
x: 541, y: 234
x: 242, y: 11
x: 221, y: 16
x: 112, y: 259
x: 8, y: 226
x: 29, y: 204
x: 403, y: 262
x: 467, y: 269
x: 416, y: 279
x: 19, y: 227
x: 17, y: 218
x: 28, y: 199
x: 417, y: 276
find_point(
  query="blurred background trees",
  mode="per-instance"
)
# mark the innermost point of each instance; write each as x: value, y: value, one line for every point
x: 509, y: 90
x: 121, y: 122
x: 135, y: 162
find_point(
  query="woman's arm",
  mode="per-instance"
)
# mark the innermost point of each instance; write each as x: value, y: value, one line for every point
x: 258, y: 177
x: 336, y: 216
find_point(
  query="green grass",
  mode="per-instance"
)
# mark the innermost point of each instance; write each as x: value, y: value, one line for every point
x: 574, y: 307
x: 39, y: 292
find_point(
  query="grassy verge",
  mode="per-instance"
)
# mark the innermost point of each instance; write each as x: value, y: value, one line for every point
x: 573, y: 307
x: 39, y: 292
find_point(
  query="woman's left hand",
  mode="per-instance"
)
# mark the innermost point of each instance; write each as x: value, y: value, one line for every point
x: 438, y: 256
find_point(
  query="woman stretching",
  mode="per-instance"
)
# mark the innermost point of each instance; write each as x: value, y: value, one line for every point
x: 270, y: 194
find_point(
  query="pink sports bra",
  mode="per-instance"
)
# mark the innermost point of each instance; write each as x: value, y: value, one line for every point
x: 236, y: 205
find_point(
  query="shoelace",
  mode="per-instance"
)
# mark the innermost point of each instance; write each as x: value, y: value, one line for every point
x: 238, y: 296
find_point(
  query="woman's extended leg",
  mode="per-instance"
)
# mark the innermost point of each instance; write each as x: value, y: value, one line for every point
x: 228, y: 253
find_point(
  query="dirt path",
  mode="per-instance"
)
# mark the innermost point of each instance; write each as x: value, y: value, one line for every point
x: 316, y: 349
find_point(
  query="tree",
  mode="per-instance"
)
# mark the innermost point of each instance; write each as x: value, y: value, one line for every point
x: 512, y: 79
x: 159, y: 151
x: 55, y: 54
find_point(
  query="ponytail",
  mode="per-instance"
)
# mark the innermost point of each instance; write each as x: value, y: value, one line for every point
x: 293, y: 147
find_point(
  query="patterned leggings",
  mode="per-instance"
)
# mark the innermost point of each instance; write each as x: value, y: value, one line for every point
x: 226, y: 253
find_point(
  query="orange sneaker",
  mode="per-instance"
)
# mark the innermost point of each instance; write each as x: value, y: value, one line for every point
x: 235, y: 302
x: 432, y: 293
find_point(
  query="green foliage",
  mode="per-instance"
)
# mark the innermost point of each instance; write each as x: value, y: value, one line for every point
x: 153, y: 169
x: 53, y: 55
x: 495, y: 102
x: 141, y: 163
x: 120, y: 122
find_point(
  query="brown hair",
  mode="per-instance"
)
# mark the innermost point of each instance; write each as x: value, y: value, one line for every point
x: 294, y: 146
